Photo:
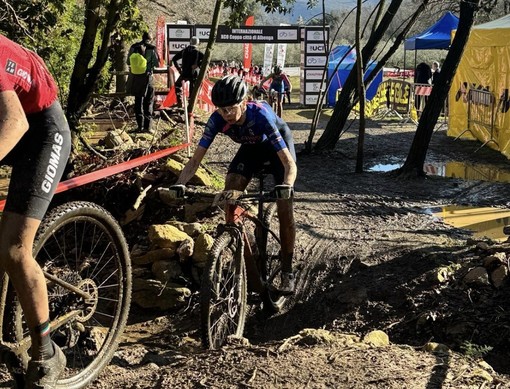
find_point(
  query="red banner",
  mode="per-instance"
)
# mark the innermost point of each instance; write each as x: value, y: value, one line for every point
x: 160, y: 40
x: 247, y: 47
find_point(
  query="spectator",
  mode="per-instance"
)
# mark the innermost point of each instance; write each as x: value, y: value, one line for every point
x: 423, y: 74
x: 142, y: 80
x: 435, y: 71
x: 191, y: 59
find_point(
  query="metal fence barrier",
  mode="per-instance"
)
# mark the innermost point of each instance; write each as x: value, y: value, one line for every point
x: 481, y: 115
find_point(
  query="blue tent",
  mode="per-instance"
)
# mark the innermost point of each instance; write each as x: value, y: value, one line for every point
x: 338, y: 78
x: 437, y: 36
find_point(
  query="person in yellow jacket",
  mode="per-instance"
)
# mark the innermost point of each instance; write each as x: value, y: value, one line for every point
x: 142, y: 59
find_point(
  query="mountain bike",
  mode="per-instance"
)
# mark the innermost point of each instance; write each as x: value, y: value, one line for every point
x: 86, y: 263
x: 245, y: 257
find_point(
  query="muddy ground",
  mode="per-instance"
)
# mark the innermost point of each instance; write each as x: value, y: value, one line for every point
x: 368, y: 248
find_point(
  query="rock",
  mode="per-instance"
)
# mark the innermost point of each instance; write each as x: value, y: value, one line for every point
x: 192, y: 229
x: 185, y: 250
x: 377, y: 338
x: 482, y: 246
x: 165, y: 271
x: 477, y: 276
x: 499, y: 276
x: 203, y: 245
x: 483, y: 374
x: 312, y: 336
x: 166, y: 236
x: 437, y: 348
x: 118, y: 138
x: 491, y: 261
x: 233, y: 340
x: 201, y: 176
x: 153, y: 256
x: 155, y: 294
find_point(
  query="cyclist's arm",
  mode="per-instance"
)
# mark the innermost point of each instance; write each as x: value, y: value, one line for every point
x: 264, y: 79
x: 192, y: 166
x: 175, y: 58
x: 289, y: 166
x: 13, y: 122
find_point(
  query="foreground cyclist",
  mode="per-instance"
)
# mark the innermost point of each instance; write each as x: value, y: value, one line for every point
x: 264, y: 137
x: 35, y: 140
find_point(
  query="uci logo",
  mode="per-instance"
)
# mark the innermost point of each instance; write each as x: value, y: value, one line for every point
x: 317, y: 35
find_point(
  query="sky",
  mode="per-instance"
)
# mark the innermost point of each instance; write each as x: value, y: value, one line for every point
x: 300, y: 8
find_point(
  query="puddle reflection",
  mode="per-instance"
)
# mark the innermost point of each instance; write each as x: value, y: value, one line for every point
x: 484, y: 222
x: 456, y: 170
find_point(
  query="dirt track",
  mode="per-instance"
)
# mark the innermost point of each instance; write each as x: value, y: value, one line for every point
x: 366, y: 243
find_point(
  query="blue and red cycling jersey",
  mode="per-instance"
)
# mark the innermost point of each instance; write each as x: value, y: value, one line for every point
x: 261, y: 125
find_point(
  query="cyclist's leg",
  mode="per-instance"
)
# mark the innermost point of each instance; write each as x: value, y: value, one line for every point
x: 285, y: 209
x: 38, y: 162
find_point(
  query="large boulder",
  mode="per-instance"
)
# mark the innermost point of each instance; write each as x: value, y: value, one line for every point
x: 203, y: 245
x: 166, y: 236
x: 201, y: 176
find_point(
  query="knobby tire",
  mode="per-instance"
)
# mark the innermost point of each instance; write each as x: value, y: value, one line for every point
x: 223, y: 292
x: 81, y: 243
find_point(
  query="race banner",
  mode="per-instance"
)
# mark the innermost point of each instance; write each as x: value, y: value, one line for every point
x: 160, y: 40
x: 280, y: 55
x: 247, y: 47
x: 268, y: 59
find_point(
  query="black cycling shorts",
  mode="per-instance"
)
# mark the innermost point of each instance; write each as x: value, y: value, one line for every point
x: 38, y: 162
x: 251, y: 158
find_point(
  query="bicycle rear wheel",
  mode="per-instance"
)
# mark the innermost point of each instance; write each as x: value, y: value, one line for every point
x: 272, y: 300
x: 223, y: 292
x: 82, y: 244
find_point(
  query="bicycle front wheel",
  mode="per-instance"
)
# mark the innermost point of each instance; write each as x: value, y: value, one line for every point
x: 82, y: 244
x: 223, y: 292
x: 272, y: 300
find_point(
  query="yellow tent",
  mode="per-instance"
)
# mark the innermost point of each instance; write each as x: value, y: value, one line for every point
x: 485, y: 70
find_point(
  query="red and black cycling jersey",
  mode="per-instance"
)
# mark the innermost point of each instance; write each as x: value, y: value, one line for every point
x: 24, y: 72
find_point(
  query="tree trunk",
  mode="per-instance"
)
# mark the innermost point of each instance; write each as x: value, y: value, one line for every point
x: 207, y: 55
x: 83, y: 78
x: 413, y: 165
x: 119, y: 55
x: 361, y: 92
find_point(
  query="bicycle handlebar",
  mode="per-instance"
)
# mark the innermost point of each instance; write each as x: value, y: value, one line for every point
x: 181, y: 192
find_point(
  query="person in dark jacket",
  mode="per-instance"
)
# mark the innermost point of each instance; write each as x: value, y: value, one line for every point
x: 142, y: 86
x: 423, y: 74
x: 191, y: 59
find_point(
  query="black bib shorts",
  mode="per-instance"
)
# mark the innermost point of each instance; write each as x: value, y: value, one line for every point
x: 38, y: 162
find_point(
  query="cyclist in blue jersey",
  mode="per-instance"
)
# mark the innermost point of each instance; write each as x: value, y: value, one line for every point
x: 280, y: 84
x: 264, y: 138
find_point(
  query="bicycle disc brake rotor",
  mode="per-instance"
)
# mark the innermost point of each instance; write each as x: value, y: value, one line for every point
x: 89, y: 306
